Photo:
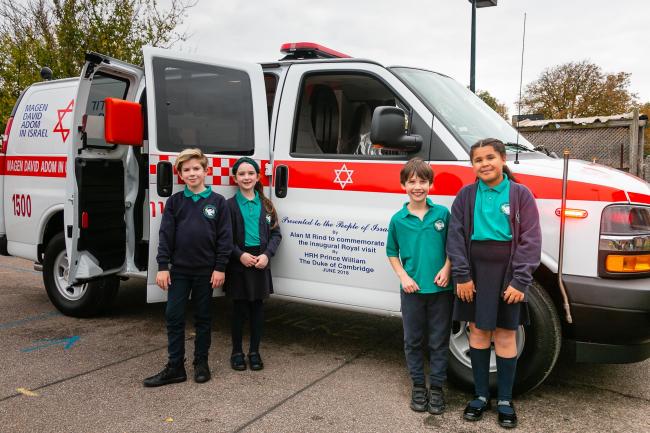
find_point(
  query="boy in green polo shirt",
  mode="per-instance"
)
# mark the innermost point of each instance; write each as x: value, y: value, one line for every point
x: 416, y: 250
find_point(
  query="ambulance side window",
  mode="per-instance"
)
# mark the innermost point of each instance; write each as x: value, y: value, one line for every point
x: 102, y: 87
x: 271, y: 85
x: 334, y: 116
x: 204, y: 106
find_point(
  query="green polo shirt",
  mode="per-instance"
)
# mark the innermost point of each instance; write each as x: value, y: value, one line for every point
x: 420, y: 244
x: 492, y: 211
x: 250, y: 211
x: 196, y: 197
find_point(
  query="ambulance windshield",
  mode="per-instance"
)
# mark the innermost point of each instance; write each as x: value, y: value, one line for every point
x: 460, y: 109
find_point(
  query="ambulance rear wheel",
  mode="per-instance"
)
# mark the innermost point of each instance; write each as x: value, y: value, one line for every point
x: 538, y: 346
x: 83, y: 300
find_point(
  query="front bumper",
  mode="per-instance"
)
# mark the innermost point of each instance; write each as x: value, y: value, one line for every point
x: 611, y: 319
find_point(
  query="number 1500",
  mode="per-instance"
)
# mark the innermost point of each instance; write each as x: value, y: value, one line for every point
x: 22, y: 205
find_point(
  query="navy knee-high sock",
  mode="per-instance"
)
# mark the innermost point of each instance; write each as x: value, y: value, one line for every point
x: 481, y: 371
x: 506, y: 368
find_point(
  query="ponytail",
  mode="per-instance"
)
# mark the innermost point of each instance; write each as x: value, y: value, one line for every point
x: 268, y: 204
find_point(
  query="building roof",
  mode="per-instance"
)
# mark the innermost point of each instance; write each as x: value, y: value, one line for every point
x: 580, y: 121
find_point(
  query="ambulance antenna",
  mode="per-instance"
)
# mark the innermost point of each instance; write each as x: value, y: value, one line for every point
x: 521, y: 78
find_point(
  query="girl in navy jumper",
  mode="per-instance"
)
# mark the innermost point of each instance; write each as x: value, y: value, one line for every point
x: 256, y: 236
x: 494, y: 243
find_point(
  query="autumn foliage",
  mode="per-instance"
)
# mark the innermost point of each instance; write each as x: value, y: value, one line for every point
x: 578, y: 89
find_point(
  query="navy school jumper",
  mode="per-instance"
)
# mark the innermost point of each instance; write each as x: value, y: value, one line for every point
x: 526, y: 250
x: 269, y: 237
x: 195, y: 237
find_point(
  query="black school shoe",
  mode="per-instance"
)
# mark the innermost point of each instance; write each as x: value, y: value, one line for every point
x: 419, y: 401
x: 169, y: 374
x: 255, y: 361
x: 201, y: 371
x: 436, y: 404
x: 237, y: 362
x: 507, y: 414
x: 475, y: 408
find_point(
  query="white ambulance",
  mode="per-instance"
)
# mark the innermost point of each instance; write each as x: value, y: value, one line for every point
x: 88, y: 166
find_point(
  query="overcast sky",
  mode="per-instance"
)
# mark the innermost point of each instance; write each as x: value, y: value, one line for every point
x: 435, y: 34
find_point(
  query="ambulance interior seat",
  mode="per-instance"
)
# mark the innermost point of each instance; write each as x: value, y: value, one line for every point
x: 318, y: 122
x: 325, y: 117
x: 305, y: 141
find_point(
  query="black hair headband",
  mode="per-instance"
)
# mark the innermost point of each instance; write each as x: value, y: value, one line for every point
x: 248, y: 160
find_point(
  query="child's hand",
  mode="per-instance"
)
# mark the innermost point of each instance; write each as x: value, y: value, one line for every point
x: 248, y: 260
x: 163, y: 279
x: 262, y: 261
x: 408, y: 284
x: 442, y: 278
x: 512, y: 295
x: 465, y: 291
x: 217, y: 279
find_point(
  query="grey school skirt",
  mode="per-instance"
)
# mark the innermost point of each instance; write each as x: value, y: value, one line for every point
x: 488, y: 310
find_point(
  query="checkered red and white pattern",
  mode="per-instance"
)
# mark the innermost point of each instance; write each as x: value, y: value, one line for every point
x: 218, y: 170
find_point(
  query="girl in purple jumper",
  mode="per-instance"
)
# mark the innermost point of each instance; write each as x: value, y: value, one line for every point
x: 494, y: 244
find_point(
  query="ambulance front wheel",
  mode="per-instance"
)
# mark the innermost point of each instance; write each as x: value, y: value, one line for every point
x: 538, y: 346
x: 83, y: 300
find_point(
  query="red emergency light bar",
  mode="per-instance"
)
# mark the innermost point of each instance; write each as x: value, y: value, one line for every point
x: 309, y: 50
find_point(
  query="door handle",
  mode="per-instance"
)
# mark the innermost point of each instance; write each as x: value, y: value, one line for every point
x: 164, y: 178
x: 281, y: 181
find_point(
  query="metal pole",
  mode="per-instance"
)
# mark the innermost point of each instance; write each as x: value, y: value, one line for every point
x: 565, y: 181
x: 472, y: 66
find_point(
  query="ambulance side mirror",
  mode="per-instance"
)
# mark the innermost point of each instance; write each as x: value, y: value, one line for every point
x: 388, y: 130
x: 123, y: 122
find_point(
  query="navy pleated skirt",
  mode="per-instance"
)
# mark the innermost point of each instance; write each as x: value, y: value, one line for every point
x: 488, y: 310
x: 251, y: 284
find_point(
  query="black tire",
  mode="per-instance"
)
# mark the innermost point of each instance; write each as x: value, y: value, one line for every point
x: 85, y: 300
x: 543, y: 339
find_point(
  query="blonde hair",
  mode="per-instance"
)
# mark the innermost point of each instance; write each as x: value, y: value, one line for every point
x: 188, y: 154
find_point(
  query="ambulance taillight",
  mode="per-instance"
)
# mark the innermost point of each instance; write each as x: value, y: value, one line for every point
x: 5, y: 136
x: 624, y: 248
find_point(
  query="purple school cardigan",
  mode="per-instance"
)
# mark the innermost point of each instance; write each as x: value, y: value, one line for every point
x: 526, y: 250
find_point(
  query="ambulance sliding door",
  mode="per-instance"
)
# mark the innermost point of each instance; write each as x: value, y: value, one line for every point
x: 217, y: 106
x: 95, y: 211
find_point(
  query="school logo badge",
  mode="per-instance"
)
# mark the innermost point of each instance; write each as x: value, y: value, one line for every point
x: 505, y: 208
x: 210, y: 211
x: 439, y: 225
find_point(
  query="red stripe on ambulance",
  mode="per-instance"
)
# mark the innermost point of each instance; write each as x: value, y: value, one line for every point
x: 36, y: 166
x: 449, y: 179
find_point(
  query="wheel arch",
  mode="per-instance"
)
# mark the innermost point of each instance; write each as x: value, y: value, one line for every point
x: 51, y: 224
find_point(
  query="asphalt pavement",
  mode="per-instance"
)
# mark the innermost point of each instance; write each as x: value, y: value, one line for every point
x: 326, y: 370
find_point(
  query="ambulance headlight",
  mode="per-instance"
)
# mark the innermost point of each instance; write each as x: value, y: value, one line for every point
x: 624, y: 247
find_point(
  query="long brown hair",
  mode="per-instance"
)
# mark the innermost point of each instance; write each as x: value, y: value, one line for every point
x: 499, y: 147
x: 268, y: 204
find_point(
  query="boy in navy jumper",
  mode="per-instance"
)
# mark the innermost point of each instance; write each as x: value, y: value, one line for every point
x: 195, y: 242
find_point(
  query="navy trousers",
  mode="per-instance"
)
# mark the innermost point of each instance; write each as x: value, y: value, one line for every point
x: 427, y: 316
x: 179, y: 292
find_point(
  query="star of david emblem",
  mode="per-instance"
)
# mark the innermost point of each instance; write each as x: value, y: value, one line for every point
x: 59, y: 125
x: 347, y: 176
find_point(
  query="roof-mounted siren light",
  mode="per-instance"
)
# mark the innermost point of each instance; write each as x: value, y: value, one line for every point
x: 309, y: 50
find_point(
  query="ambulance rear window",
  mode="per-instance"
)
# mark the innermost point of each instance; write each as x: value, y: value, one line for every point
x: 204, y: 106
